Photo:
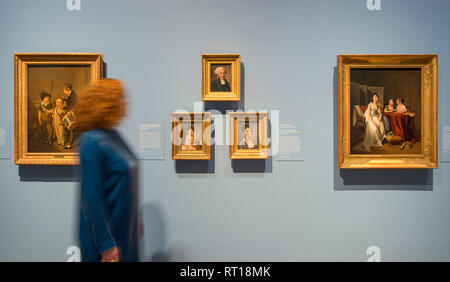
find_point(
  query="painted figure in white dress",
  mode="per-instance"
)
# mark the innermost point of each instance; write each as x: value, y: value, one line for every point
x: 375, y: 130
x: 58, y: 114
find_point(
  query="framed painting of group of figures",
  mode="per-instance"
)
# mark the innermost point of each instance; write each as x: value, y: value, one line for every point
x: 45, y: 94
x: 387, y: 111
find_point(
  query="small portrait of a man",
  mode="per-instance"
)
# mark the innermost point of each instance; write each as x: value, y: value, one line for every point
x: 220, y: 78
x: 191, y: 141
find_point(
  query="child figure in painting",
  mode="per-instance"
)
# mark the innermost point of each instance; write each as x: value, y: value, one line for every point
x: 45, y: 118
x: 401, y: 108
x: 379, y: 113
x: 58, y: 114
x: 390, y: 107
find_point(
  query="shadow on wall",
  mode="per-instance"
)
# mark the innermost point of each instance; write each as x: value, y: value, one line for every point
x: 376, y: 179
x: 196, y: 166
x: 252, y: 166
x: 153, y: 246
x: 47, y: 173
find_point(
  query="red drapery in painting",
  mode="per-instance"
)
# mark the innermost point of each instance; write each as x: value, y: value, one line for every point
x: 403, y: 125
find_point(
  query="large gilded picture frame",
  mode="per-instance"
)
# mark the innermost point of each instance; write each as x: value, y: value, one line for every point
x: 248, y: 135
x: 45, y: 87
x: 387, y: 111
x: 191, y: 136
x: 221, y: 77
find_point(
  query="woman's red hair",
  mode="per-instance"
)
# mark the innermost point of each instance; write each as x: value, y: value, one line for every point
x: 100, y: 104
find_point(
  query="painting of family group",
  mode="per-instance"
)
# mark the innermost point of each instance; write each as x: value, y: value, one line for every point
x: 385, y: 111
x: 52, y: 96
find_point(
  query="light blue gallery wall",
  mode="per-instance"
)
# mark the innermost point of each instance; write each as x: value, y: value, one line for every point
x: 295, y: 211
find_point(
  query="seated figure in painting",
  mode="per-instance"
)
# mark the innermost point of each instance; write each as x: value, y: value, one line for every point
x: 220, y: 84
x: 390, y: 107
x: 375, y: 131
x: 58, y: 114
x: 246, y: 142
x: 190, y: 143
x: 45, y: 118
x: 401, y: 108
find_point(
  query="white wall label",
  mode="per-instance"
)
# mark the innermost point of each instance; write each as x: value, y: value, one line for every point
x: 291, y: 147
x: 446, y: 137
x: 4, y: 138
x: 151, y: 140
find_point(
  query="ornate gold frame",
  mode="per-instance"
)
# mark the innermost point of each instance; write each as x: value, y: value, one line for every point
x: 235, y: 61
x: 262, y: 152
x: 205, y: 152
x: 21, y: 63
x: 429, y: 129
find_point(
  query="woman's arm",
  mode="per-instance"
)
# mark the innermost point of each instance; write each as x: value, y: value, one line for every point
x: 93, y: 203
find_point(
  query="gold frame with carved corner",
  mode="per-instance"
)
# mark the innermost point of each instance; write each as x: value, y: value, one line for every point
x: 235, y: 61
x: 22, y: 61
x: 262, y: 152
x: 428, y: 158
x: 181, y: 117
